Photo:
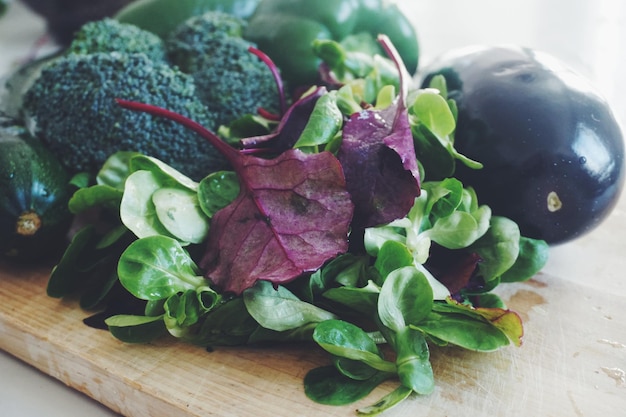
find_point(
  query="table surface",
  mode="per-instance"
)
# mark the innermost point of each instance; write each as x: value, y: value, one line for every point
x: 584, y: 33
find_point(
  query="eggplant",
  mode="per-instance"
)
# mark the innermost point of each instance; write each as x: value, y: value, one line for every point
x: 552, y: 149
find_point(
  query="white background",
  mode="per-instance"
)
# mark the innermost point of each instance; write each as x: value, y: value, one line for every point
x: 587, y: 34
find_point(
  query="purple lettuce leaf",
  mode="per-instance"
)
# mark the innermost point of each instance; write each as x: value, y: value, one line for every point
x: 291, y: 217
x: 378, y: 158
x: 453, y: 268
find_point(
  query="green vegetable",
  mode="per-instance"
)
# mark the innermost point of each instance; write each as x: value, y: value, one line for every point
x: 285, y: 30
x: 449, y: 215
x: 433, y: 123
x: 73, y: 106
x: 230, y: 80
x: 367, y: 75
x: 34, y: 191
x: 136, y: 329
x: 108, y: 35
x: 327, y: 385
x: 252, y: 274
x: 216, y: 191
x: 279, y: 309
x: 163, y: 16
x: 88, y: 265
x: 325, y: 122
x: 156, y: 267
x: 161, y: 202
x: 346, y: 340
x: 533, y: 255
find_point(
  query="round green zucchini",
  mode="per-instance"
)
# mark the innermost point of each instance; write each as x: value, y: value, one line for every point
x: 34, y: 192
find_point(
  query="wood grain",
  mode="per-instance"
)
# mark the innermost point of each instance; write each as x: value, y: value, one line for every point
x: 569, y: 363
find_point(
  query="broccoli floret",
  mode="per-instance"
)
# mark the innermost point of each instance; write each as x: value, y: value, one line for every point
x: 72, y: 108
x: 109, y: 35
x: 231, y: 81
x: 196, y: 35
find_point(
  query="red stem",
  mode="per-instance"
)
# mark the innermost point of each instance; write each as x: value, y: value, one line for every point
x: 394, y: 55
x: 277, y: 78
x: 230, y: 153
x: 267, y: 115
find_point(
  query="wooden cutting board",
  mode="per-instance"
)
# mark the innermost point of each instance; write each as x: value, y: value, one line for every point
x: 571, y: 363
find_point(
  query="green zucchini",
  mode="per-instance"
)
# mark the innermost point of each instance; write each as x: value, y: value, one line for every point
x: 34, y: 192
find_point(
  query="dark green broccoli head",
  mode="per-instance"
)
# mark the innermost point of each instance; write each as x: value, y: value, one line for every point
x: 109, y: 35
x: 231, y: 81
x: 72, y: 108
x: 196, y: 35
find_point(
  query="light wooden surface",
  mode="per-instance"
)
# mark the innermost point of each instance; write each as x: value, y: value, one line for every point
x: 573, y: 358
x: 572, y: 361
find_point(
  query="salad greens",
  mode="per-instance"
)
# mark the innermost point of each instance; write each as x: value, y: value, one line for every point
x: 333, y: 227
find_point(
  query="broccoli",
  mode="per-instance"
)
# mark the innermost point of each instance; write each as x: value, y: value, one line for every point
x: 71, y: 107
x: 230, y: 80
x: 195, y: 36
x: 109, y: 35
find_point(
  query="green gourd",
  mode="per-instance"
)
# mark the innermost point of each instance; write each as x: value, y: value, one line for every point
x: 34, y: 192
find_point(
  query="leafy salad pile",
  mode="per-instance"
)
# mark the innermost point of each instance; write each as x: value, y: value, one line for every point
x: 329, y: 228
